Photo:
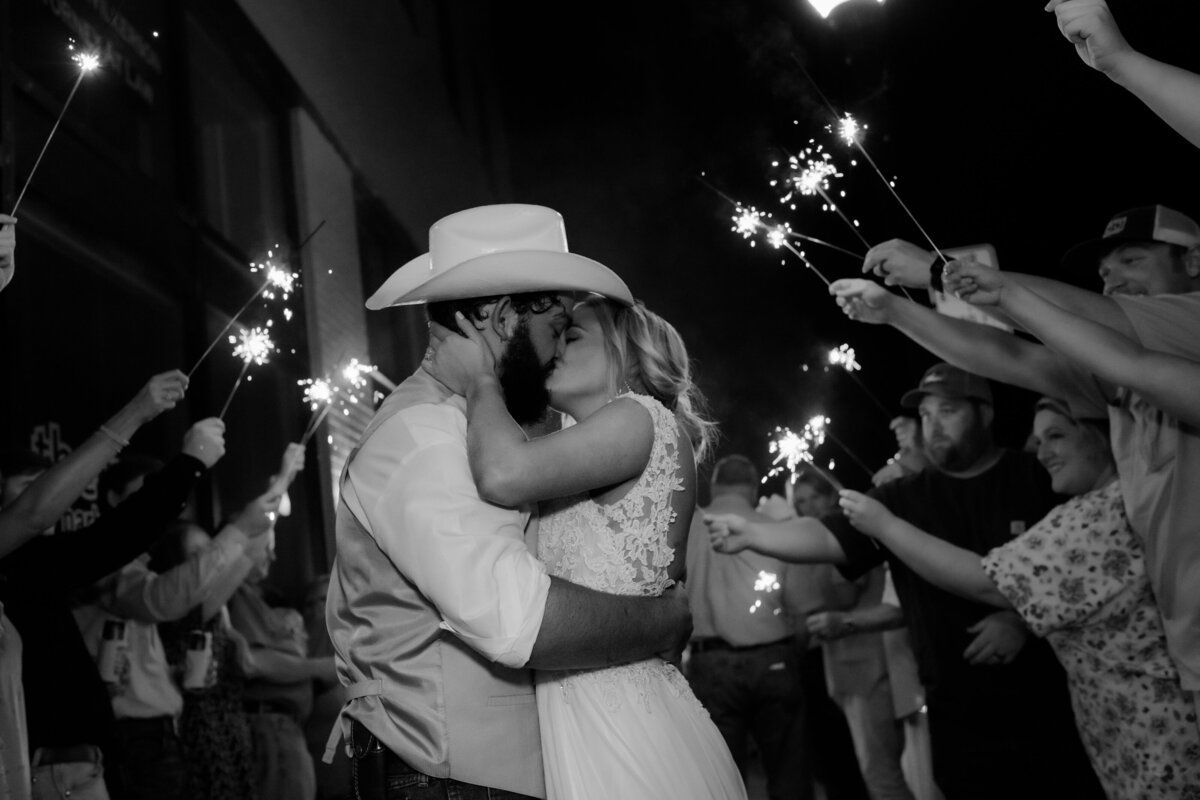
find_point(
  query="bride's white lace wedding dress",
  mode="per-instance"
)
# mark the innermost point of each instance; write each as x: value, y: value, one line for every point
x: 633, y: 731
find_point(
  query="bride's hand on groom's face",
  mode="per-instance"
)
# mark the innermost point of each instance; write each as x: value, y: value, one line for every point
x: 456, y: 359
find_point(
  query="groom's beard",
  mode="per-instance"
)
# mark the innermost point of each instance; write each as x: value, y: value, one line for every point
x: 523, y: 378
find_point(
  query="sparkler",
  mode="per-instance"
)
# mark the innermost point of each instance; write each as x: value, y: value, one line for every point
x: 87, y: 63
x: 320, y: 394
x: 279, y: 283
x: 766, y: 583
x: 817, y: 428
x: 793, y: 451
x: 253, y: 346
x: 810, y: 174
x: 747, y: 220
x: 843, y: 356
x: 849, y: 132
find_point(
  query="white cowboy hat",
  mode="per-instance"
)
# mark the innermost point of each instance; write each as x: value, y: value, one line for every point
x: 501, y: 249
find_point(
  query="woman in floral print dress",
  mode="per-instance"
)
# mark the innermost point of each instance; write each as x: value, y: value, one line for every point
x: 1078, y: 579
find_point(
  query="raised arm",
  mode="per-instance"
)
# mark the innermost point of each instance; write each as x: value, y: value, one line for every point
x: 944, y: 565
x: 902, y: 263
x: 803, y: 540
x: 48, y: 498
x: 1170, y: 92
x: 1168, y: 381
x: 980, y: 349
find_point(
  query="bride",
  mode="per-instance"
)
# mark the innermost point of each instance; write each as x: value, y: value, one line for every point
x: 616, y: 490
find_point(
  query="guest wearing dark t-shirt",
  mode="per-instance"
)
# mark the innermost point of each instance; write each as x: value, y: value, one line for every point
x: 68, y: 708
x: 1000, y: 717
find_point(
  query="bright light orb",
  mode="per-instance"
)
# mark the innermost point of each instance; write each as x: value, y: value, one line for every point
x: 843, y: 356
x: 87, y: 62
x: 826, y: 7
x: 253, y: 346
x: 317, y: 392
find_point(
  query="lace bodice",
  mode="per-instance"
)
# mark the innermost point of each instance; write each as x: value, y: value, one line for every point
x: 620, y: 548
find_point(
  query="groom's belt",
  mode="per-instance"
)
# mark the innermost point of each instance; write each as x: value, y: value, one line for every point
x: 716, y: 643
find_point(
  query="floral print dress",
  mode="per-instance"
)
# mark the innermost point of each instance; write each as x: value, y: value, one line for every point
x: 1078, y: 578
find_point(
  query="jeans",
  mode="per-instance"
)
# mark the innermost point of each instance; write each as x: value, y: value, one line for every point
x: 756, y: 692
x: 378, y: 774
x: 283, y: 767
x: 149, y: 760
x: 77, y: 779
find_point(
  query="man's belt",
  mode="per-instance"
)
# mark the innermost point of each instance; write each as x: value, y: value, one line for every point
x: 714, y: 643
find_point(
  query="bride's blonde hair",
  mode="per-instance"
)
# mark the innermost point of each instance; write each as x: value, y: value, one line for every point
x: 649, y: 356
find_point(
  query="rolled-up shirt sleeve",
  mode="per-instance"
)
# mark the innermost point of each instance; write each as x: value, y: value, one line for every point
x: 1166, y: 322
x: 467, y: 556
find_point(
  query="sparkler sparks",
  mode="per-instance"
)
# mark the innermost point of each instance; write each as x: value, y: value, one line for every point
x: 848, y: 130
x: 87, y: 62
x: 317, y: 392
x: 814, y: 177
x: 355, y: 373
x: 843, y: 356
x: 794, y: 450
x: 253, y: 346
x: 766, y: 583
x: 791, y: 449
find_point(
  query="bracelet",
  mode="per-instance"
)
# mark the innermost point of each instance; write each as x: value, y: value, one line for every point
x: 111, y: 434
x: 935, y: 272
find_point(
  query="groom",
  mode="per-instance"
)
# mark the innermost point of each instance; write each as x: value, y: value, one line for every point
x: 436, y: 607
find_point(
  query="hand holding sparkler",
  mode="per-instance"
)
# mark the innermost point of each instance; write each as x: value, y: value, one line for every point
x: 161, y: 393
x: 292, y: 463
x: 865, y: 513
x: 973, y: 282
x: 205, y: 441
x: 258, y: 516
x: 1089, y: 25
x: 900, y: 263
x: 864, y: 301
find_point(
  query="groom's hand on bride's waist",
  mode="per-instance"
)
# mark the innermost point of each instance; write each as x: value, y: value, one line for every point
x: 682, y: 631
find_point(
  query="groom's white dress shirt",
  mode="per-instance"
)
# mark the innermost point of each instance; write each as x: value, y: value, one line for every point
x: 435, y: 601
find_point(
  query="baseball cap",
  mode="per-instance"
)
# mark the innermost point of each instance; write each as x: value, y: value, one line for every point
x: 1142, y: 224
x: 950, y: 382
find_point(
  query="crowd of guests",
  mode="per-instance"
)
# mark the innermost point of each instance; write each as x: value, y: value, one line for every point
x: 140, y: 655
x: 985, y: 622
x: 1051, y: 595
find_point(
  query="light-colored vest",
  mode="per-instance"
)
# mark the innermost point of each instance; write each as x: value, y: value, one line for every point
x: 436, y: 703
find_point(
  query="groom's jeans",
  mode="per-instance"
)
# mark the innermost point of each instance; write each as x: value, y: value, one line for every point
x: 378, y: 774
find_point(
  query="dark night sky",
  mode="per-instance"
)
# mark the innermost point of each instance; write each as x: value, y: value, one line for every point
x: 996, y: 131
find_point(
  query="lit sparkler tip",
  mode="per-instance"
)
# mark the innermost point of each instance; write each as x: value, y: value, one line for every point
x: 777, y: 237
x: 282, y: 279
x: 87, y: 62
x: 849, y: 130
x: 317, y: 392
x: 356, y: 372
x: 253, y: 345
x: 746, y: 220
x: 843, y: 356
x: 814, y: 177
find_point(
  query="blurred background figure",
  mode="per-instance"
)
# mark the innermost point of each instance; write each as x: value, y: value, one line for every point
x: 743, y: 661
